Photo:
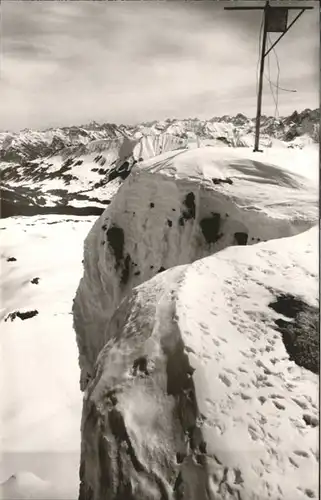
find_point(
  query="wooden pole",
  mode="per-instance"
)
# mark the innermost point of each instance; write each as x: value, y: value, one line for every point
x: 259, y: 95
x: 264, y: 54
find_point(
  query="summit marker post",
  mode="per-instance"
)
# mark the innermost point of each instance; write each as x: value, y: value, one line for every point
x: 275, y: 21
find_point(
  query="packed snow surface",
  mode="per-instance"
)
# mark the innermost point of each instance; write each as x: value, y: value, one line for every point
x: 40, y: 398
x: 194, y: 395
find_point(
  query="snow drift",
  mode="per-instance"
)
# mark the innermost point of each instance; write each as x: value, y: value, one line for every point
x: 174, y: 209
x: 194, y: 394
x: 40, y: 400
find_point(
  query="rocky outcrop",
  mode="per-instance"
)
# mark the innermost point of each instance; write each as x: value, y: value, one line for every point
x: 195, y: 394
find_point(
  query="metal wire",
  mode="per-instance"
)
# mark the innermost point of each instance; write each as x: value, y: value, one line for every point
x: 276, y: 112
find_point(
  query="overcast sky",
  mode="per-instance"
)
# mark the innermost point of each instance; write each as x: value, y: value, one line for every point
x: 71, y: 62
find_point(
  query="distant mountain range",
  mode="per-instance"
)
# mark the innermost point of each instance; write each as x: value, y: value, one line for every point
x: 77, y: 170
x: 235, y: 131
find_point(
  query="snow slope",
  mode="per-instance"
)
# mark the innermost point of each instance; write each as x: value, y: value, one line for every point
x: 26, y: 485
x: 195, y: 396
x: 39, y: 394
x: 85, y: 177
x: 174, y: 209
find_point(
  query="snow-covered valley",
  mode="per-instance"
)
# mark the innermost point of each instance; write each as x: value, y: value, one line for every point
x: 200, y: 271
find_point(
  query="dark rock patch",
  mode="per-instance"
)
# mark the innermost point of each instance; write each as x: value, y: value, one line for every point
x: 309, y: 493
x: 161, y: 269
x: 301, y: 335
x: 241, y: 238
x: 140, y: 365
x: 21, y: 315
x: 126, y: 270
x: 137, y: 273
x: 190, y: 209
x: 311, y: 420
x: 180, y: 457
x: 210, y: 227
x: 35, y: 281
x: 13, y: 204
x: 288, y: 305
x: 11, y: 259
x: 222, y: 181
x: 116, y: 240
x: 179, y: 487
x: 169, y: 222
x: 189, y: 202
x: 223, y: 139
x: 123, y: 172
x: 152, y: 205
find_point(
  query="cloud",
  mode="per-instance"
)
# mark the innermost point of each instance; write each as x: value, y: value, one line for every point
x: 71, y: 62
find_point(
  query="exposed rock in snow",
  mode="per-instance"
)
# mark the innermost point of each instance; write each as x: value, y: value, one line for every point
x: 195, y: 395
x: 172, y: 210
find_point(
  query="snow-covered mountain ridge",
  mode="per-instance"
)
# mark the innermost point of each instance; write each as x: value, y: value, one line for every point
x: 77, y: 170
x: 28, y: 144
